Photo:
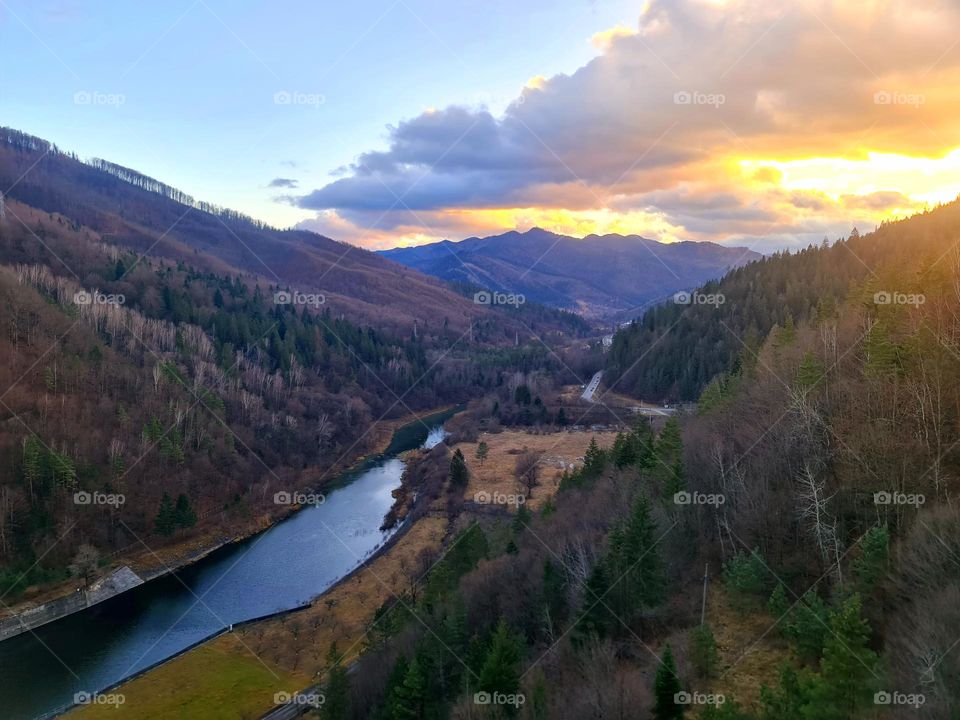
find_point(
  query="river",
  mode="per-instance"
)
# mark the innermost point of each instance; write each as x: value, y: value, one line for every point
x: 282, y: 568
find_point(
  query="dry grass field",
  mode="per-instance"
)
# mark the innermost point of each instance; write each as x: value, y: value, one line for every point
x: 558, y: 451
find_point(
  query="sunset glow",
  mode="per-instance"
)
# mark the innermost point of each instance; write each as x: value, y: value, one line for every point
x: 738, y: 121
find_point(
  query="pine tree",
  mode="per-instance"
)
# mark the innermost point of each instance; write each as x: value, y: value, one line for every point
x: 62, y: 470
x: 810, y: 372
x: 778, y: 605
x: 703, y: 651
x: 166, y: 521
x: 643, y: 441
x: 33, y: 456
x: 482, y: 451
x: 787, y: 334
x: 871, y: 565
x: 459, y: 475
x: 806, y: 624
x: 594, y: 460
x: 883, y: 354
x: 596, y: 619
x: 336, y: 691
x: 676, y: 480
x: 745, y: 577
x: 411, y: 696
x: 666, y: 685
x: 624, y: 451
x: 847, y: 667
x: 183, y: 514
x: 711, y: 397
x: 788, y: 700
x: 639, y: 560
x: 668, y: 457
x: 521, y: 519
x: 669, y: 443
x: 501, y: 668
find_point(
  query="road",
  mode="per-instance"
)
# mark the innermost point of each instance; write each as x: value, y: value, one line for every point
x: 655, y: 411
x: 592, y: 386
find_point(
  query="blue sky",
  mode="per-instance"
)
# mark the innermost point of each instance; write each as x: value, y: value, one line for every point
x: 198, y: 79
x: 762, y: 123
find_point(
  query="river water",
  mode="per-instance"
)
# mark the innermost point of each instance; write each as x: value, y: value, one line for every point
x: 282, y: 568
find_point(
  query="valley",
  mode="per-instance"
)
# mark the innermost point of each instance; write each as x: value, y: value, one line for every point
x: 405, y: 360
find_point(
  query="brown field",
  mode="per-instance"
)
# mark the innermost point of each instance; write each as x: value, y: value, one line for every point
x: 559, y: 451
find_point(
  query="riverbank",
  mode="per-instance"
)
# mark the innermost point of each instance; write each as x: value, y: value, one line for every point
x: 59, y: 601
x: 273, y: 657
x: 345, y: 614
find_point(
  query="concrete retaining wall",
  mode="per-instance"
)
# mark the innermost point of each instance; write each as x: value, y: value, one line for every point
x: 118, y: 581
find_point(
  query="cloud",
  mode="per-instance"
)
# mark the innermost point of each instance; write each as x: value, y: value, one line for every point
x: 283, y: 183
x: 606, y: 38
x: 697, y: 117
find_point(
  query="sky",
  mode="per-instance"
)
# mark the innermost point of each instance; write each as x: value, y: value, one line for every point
x: 763, y: 123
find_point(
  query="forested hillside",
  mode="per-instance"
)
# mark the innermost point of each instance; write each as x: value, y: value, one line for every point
x: 817, y: 482
x: 145, y: 215
x: 674, y: 350
x: 136, y: 366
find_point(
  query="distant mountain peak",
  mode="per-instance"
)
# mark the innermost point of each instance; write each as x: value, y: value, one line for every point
x: 606, y: 277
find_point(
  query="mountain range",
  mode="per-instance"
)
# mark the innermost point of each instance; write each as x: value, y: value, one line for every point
x: 134, y: 211
x: 602, y: 277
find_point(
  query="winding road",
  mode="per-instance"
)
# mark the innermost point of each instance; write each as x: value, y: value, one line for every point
x: 592, y: 386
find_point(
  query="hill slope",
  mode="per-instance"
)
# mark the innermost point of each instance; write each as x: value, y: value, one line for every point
x: 144, y: 354
x: 603, y: 277
x: 696, y: 342
x: 129, y: 209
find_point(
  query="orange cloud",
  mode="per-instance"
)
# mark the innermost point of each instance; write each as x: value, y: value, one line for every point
x: 766, y: 122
